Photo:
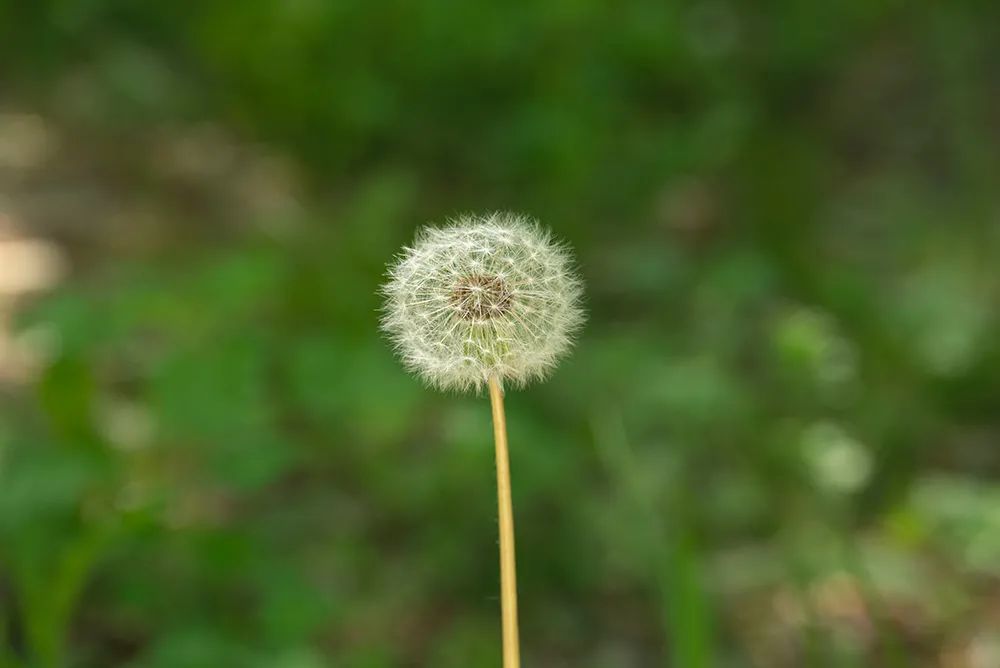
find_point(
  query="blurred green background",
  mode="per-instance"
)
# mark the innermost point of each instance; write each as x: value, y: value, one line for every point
x: 777, y: 443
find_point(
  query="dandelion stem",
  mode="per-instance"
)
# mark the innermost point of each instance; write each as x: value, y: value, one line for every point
x: 508, y: 575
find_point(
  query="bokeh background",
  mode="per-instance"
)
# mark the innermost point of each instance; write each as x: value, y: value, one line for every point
x: 777, y: 443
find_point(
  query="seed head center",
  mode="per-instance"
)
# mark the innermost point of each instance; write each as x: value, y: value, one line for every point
x: 481, y: 297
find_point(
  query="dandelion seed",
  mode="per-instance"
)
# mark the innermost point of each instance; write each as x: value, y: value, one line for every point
x: 491, y: 296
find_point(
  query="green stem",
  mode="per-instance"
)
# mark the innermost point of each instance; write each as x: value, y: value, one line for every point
x: 894, y: 656
x: 674, y: 557
x: 814, y: 642
x: 49, y: 598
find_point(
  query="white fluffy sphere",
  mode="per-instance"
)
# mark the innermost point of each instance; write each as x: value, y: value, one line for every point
x: 490, y: 295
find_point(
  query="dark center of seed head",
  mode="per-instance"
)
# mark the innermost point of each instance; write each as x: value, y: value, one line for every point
x: 479, y: 297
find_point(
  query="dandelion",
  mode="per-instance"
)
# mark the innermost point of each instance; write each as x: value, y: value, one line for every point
x: 485, y: 302
x: 490, y: 297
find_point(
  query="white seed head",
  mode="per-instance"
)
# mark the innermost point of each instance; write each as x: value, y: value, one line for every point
x: 490, y: 295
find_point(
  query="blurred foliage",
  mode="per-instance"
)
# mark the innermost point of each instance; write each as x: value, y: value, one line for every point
x: 776, y: 443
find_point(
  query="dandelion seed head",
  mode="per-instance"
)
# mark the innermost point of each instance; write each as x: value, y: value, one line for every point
x: 486, y: 296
